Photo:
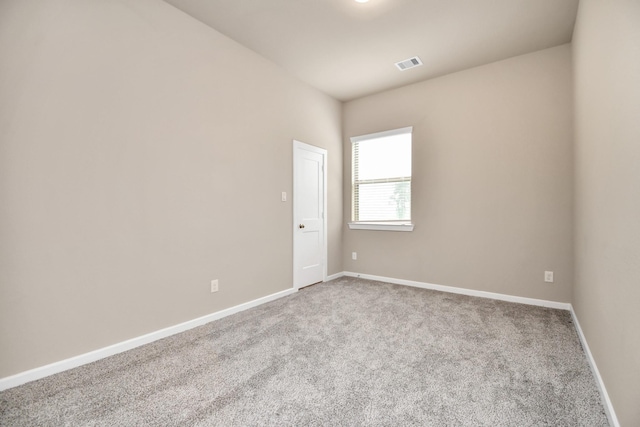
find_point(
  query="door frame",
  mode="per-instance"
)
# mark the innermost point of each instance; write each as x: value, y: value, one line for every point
x: 297, y: 145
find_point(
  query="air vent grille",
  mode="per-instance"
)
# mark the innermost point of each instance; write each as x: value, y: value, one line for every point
x: 408, y: 63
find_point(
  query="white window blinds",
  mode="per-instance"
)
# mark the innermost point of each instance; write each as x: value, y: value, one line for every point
x: 381, y: 165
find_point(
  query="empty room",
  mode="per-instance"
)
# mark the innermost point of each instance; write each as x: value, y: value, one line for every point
x: 320, y: 212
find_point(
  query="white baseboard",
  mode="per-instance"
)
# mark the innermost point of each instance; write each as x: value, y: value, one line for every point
x: 92, y: 356
x: 464, y: 291
x: 334, y: 276
x: 613, y: 420
x: 74, y: 362
x: 606, y: 402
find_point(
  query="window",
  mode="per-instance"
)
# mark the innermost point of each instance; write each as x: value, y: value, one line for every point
x: 381, y: 184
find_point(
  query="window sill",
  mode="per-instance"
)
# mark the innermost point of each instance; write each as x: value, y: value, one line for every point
x: 381, y: 226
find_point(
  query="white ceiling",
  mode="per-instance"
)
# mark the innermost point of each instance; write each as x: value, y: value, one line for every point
x: 348, y: 49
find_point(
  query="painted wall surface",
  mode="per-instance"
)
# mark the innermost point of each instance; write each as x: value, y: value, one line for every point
x: 606, y: 48
x: 492, y: 178
x: 142, y: 154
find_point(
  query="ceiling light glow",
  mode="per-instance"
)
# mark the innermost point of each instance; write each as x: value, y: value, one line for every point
x: 362, y: 1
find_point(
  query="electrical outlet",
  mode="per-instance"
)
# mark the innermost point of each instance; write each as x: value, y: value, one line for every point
x: 214, y: 285
x: 548, y: 276
x: 354, y: 255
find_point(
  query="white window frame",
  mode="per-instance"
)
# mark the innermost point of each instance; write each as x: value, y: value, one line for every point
x: 379, y: 225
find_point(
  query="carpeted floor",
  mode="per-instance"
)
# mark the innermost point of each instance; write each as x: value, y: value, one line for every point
x: 347, y: 352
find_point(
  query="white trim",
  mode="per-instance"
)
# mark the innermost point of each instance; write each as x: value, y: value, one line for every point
x: 606, y: 402
x: 334, y: 276
x: 464, y: 291
x: 392, y: 132
x: 325, y: 157
x: 83, y: 359
x: 380, y: 226
x: 92, y: 356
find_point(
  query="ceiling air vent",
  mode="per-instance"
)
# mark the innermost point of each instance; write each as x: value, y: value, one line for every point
x: 408, y: 63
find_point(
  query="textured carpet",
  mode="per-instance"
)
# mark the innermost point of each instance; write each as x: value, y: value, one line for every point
x: 346, y: 352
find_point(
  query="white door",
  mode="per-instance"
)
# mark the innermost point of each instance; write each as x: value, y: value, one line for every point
x: 309, y: 219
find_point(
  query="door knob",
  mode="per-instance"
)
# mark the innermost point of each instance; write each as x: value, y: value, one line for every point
x: 301, y: 226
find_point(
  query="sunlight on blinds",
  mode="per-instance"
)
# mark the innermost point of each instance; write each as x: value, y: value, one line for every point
x: 382, y: 176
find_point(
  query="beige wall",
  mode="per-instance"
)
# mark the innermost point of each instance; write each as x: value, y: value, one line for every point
x: 492, y: 178
x: 606, y: 57
x: 142, y: 154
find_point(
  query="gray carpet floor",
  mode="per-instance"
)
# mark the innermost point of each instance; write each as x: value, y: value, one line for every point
x: 347, y: 352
